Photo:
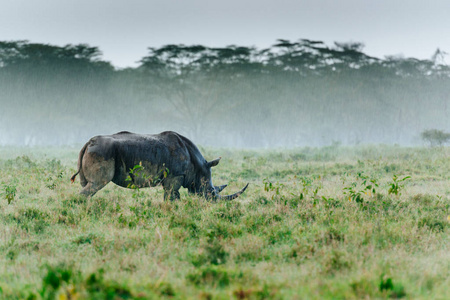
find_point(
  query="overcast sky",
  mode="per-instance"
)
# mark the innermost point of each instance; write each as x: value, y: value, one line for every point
x: 124, y: 29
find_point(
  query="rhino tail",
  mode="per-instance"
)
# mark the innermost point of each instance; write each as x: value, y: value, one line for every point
x: 80, y: 159
x: 72, y: 179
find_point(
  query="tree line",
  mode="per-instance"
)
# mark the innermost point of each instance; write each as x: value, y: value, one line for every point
x: 295, y: 93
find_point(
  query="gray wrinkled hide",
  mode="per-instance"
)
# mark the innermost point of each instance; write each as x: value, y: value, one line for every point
x: 167, y: 159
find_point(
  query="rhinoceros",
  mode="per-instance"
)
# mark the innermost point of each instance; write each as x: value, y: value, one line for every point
x: 145, y: 160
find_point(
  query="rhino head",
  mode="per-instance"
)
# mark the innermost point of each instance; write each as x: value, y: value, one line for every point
x: 203, y: 184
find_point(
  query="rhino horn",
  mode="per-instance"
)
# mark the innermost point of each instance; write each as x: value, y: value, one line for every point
x: 220, y: 188
x: 233, y: 196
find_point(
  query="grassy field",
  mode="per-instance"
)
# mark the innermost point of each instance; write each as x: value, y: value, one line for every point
x: 333, y: 222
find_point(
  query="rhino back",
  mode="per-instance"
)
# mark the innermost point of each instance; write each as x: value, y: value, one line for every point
x: 155, y: 152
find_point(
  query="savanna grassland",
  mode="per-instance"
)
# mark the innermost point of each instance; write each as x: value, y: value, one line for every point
x: 315, y: 223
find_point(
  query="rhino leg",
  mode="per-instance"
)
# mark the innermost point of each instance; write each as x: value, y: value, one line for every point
x: 91, y: 188
x: 97, y: 173
x: 171, y: 187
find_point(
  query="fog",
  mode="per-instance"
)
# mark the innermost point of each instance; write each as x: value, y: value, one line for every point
x: 293, y: 94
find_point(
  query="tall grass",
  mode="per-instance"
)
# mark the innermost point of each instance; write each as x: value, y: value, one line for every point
x: 296, y: 233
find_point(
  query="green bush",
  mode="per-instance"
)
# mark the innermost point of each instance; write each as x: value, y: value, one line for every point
x: 213, y: 276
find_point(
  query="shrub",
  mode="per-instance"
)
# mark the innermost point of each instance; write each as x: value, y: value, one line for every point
x: 213, y: 254
x: 432, y: 224
x: 31, y: 219
x: 9, y: 192
x: 393, y: 290
x: 210, y: 276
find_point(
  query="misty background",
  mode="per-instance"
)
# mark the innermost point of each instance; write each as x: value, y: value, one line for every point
x: 294, y: 93
x: 70, y: 70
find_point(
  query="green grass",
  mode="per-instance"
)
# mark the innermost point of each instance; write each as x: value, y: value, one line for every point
x: 310, y: 226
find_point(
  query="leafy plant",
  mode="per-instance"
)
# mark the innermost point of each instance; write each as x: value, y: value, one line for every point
x: 138, y: 171
x: 134, y: 172
x: 53, y: 182
x: 395, y: 185
x: 308, y: 185
x: 394, y: 290
x: 99, y: 288
x: 9, y: 192
x: 364, y: 185
x: 272, y: 187
x: 57, y: 280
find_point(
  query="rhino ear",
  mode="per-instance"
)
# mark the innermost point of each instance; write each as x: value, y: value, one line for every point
x: 213, y: 163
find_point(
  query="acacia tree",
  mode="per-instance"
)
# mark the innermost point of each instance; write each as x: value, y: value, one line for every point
x: 195, y: 81
x: 40, y: 83
x: 435, y: 137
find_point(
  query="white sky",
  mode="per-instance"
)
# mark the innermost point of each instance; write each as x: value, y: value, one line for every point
x: 124, y: 29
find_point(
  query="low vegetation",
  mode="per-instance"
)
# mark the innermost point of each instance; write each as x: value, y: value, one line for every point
x: 315, y: 223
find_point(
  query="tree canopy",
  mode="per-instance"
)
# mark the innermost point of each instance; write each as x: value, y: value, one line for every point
x: 294, y: 93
